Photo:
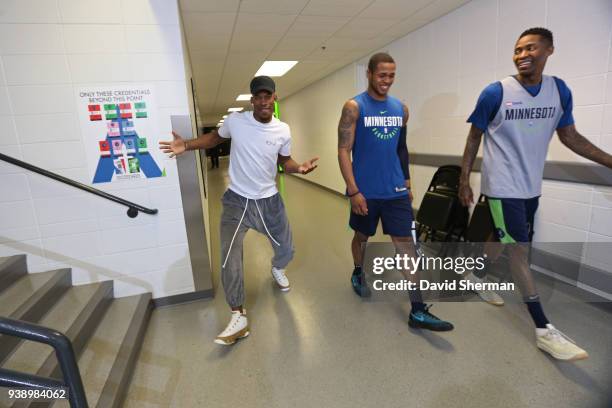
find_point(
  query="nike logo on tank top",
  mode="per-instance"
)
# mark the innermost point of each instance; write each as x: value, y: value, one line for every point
x: 516, y: 141
x: 376, y: 164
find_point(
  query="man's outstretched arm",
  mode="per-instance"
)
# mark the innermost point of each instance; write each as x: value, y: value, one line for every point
x: 580, y: 145
x: 179, y: 145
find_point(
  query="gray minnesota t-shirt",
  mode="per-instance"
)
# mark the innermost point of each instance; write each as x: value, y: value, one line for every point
x: 516, y: 140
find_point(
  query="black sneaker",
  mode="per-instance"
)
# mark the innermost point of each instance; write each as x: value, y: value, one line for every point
x: 422, y: 319
x: 359, y: 284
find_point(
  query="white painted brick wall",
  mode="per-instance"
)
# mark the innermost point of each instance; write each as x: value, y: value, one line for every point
x: 48, y: 49
x: 442, y: 68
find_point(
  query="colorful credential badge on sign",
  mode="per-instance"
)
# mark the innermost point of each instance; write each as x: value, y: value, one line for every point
x: 119, y: 120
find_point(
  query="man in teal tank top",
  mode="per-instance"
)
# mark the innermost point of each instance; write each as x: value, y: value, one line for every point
x: 374, y: 163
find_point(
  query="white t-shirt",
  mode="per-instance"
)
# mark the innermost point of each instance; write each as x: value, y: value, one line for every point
x: 254, y: 153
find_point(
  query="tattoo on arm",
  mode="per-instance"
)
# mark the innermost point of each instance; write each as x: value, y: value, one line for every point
x: 346, y: 137
x: 346, y: 127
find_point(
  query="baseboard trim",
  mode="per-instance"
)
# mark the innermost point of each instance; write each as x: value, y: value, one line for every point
x: 183, y: 298
x: 580, y: 275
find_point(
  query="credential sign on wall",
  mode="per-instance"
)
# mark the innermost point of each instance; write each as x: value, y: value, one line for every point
x: 119, y: 128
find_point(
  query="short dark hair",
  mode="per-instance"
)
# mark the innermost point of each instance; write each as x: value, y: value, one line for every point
x: 378, y: 58
x: 545, y: 33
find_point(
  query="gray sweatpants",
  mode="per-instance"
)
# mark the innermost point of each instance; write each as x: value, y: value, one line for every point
x: 267, y: 216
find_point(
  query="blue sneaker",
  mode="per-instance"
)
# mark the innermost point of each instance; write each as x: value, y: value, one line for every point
x: 359, y: 284
x: 422, y: 319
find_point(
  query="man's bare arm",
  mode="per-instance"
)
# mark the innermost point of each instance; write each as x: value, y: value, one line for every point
x: 469, y: 156
x: 291, y: 166
x: 406, y: 114
x: 346, y: 137
x: 579, y: 144
x: 178, y: 145
x: 205, y: 141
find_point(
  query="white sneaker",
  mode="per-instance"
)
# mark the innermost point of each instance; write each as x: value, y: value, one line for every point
x: 281, y: 279
x: 489, y: 296
x: 558, y: 344
x: 237, y: 328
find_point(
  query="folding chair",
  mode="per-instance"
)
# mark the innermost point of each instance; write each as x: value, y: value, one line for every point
x: 441, y: 216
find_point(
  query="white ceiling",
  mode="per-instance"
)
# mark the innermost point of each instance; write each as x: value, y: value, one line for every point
x: 228, y: 40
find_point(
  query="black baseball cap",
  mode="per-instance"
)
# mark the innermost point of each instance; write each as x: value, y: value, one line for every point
x: 262, y: 83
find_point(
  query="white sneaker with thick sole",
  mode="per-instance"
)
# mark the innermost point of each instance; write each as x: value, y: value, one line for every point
x: 281, y: 279
x: 558, y: 345
x: 489, y: 296
x: 237, y: 328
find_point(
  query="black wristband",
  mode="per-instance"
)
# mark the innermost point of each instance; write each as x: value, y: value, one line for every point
x: 353, y: 195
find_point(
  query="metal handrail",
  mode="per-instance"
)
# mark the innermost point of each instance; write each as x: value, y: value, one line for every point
x: 133, y: 208
x: 65, y: 357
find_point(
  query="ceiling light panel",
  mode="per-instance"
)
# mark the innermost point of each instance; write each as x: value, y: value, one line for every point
x: 275, y: 68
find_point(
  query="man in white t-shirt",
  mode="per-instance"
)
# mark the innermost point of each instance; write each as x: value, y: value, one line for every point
x: 260, y: 142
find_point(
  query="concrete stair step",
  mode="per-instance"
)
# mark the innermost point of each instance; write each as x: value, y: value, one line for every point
x: 29, y: 299
x: 106, y: 333
x: 109, y: 359
x: 11, y: 269
x: 77, y: 315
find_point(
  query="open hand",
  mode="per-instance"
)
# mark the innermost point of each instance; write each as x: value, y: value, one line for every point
x: 308, y: 166
x: 175, y: 147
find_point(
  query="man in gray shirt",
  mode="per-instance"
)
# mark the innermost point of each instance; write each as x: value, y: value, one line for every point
x: 518, y: 116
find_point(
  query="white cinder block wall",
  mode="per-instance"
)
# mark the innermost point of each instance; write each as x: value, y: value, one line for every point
x: 49, y: 49
x: 442, y: 68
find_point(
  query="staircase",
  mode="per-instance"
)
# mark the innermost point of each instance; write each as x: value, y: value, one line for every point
x: 106, y: 333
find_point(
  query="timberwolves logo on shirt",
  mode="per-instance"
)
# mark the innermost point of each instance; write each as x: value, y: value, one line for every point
x: 383, y: 127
